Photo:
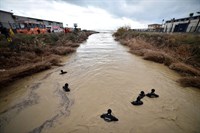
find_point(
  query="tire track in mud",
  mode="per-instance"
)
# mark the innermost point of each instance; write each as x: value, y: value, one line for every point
x: 84, y: 128
x: 32, y: 99
x: 65, y: 104
x: 167, y: 113
x: 171, y: 113
x: 46, y: 76
x: 47, y: 124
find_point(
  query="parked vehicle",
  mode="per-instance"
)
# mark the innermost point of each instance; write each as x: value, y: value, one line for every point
x: 54, y: 28
x: 29, y: 27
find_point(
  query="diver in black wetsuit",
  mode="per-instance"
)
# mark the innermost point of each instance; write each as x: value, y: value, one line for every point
x: 152, y: 94
x: 108, y: 116
x: 138, y: 101
x: 65, y: 88
x: 142, y: 94
x: 62, y: 72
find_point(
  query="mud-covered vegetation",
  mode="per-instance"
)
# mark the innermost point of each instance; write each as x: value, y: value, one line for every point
x: 29, y: 54
x: 180, y: 52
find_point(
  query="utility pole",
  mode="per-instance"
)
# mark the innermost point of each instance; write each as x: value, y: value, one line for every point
x: 75, y: 26
x: 162, y: 25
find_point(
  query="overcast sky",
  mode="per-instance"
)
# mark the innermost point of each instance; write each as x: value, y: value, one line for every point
x: 103, y: 14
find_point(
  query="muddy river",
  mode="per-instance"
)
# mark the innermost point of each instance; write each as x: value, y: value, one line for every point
x: 102, y: 74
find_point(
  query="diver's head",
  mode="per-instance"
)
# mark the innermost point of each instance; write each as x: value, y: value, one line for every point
x: 61, y: 71
x: 142, y: 92
x: 109, y: 111
x: 66, y: 85
x: 152, y: 90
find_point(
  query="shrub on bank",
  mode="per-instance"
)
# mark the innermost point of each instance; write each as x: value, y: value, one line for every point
x: 21, y: 71
x: 190, y: 81
x: 122, y: 30
x: 62, y: 50
x: 139, y: 52
x: 28, y: 54
x: 30, y: 48
x: 158, y: 56
x: 185, y: 69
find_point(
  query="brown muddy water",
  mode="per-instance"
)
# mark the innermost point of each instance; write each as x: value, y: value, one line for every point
x: 102, y: 74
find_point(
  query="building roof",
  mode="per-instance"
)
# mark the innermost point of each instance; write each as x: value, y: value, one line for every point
x: 182, y: 19
x: 6, y: 12
x: 155, y: 25
x: 37, y: 19
x: 29, y: 17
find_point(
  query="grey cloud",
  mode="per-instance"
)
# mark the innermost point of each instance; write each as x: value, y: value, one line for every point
x: 143, y: 10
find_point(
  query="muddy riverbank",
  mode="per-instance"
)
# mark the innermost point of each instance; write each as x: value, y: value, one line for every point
x: 102, y: 74
x: 28, y: 54
x: 180, y: 52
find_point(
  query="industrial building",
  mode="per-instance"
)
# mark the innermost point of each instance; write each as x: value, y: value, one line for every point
x: 9, y: 20
x: 188, y: 24
x: 6, y: 19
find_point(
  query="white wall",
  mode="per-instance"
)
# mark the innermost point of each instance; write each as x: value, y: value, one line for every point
x: 192, y: 25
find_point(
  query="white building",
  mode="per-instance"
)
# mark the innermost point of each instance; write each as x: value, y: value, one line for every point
x: 188, y: 24
x: 155, y: 27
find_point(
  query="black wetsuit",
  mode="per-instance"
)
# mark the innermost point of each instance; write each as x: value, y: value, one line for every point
x: 66, y: 89
x: 63, y: 72
x: 152, y: 95
x: 109, y: 117
x: 137, y: 102
x: 141, y: 95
